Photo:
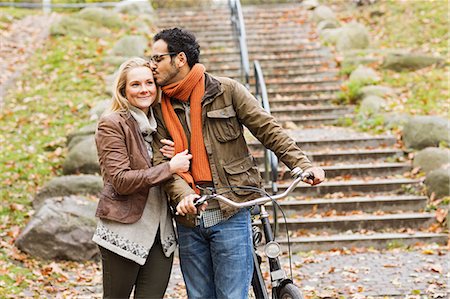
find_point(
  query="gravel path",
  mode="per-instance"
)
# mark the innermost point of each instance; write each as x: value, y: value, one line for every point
x: 18, y: 43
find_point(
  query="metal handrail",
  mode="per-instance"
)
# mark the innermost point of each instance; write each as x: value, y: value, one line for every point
x: 237, y: 19
x: 270, y: 158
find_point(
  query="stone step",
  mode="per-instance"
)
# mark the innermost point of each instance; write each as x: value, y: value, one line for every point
x: 289, y: 112
x: 267, y: 57
x: 390, y: 203
x: 303, y: 89
x: 280, y: 66
x: 346, y: 156
x: 340, y: 141
x: 318, y: 99
x: 372, y: 222
x: 264, y: 48
x: 373, y: 186
x: 311, y: 120
x: 376, y: 240
x: 348, y: 171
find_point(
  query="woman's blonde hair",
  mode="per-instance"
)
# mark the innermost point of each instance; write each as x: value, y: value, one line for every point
x: 119, y: 100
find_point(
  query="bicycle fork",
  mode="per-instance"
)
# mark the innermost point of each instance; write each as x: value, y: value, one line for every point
x: 272, y: 250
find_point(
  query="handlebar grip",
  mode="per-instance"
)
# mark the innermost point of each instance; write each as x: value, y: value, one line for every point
x: 308, y: 176
x: 201, y: 200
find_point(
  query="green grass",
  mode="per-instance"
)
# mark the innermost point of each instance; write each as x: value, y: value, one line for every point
x: 418, y: 26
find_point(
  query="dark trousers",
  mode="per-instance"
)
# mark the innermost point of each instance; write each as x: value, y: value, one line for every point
x: 120, y: 275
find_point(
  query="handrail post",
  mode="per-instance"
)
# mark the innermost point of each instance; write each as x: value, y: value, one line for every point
x: 46, y: 6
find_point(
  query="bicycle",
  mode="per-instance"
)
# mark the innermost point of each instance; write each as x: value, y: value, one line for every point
x: 283, y: 287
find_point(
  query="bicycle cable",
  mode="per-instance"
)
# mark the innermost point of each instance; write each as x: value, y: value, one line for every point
x: 275, y: 205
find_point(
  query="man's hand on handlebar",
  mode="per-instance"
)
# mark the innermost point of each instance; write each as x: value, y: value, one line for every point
x: 318, y: 176
x: 186, y: 205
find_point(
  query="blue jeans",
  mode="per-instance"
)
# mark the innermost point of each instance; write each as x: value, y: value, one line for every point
x: 217, y: 262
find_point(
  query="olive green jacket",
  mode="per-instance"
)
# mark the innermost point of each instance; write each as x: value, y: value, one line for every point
x: 227, y: 106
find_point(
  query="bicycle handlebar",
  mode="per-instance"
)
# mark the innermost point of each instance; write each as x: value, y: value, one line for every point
x: 297, y: 173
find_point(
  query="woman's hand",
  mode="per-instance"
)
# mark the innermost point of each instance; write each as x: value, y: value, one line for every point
x: 168, y: 149
x: 180, y: 162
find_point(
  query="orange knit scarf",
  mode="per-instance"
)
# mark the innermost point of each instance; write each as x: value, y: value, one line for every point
x: 192, y: 89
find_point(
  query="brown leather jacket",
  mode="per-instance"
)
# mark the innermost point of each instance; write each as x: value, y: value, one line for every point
x: 226, y: 107
x: 126, y: 168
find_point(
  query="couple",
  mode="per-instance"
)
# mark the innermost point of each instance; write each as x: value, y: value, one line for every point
x: 178, y: 141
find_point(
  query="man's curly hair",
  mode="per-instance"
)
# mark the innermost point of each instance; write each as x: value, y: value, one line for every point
x: 180, y: 40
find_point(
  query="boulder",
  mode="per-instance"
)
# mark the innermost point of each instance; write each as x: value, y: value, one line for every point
x: 100, y: 16
x: 431, y: 158
x: 310, y: 4
x: 352, y: 36
x: 395, y: 120
x: 109, y: 81
x: 61, y: 229
x: 130, y: 46
x: 68, y: 185
x: 399, y: 61
x: 322, y: 13
x: 364, y: 74
x: 327, y: 24
x: 97, y: 111
x: 81, y: 134
x: 330, y: 35
x: 72, y: 26
x: 371, y: 105
x: 82, y: 158
x: 438, y: 182
x: 134, y: 7
x: 426, y: 131
x: 376, y: 90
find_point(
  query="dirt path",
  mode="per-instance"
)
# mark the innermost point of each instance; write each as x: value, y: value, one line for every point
x: 18, y: 43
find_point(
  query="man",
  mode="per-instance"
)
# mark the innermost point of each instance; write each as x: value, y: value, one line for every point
x: 206, y: 114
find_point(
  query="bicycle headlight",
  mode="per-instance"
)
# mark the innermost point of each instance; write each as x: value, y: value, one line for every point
x: 272, y: 249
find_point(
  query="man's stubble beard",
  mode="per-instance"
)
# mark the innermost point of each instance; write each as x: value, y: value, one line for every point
x: 173, y: 72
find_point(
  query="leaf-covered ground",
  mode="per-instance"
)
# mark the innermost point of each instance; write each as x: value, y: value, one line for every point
x: 64, y: 79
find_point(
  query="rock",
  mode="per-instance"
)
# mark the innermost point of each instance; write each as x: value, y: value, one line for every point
x: 431, y: 158
x: 130, y: 46
x: 364, y: 74
x: 82, y: 158
x: 134, y: 7
x: 395, y: 120
x: 68, y: 185
x: 109, y: 81
x: 377, y: 90
x: 326, y: 24
x: 438, y: 182
x: 310, y: 4
x: 97, y: 111
x: 371, y: 105
x: 61, y: 229
x: 100, y: 16
x: 71, y: 26
x: 74, y: 138
x: 426, y: 131
x: 409, y: 61
x: 322, y: 13
x: 352, y: 36
x: 330, y: 35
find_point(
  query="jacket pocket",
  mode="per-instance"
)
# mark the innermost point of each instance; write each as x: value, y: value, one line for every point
x: 241, y: 173
x: 224, y: 123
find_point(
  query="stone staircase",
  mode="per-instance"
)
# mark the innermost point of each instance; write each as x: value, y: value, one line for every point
x: 368, y: 198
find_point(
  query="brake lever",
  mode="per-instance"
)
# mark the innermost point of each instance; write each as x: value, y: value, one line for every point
x: 201, y: 200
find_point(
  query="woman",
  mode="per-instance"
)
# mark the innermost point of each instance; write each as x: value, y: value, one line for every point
x: 134, y: 233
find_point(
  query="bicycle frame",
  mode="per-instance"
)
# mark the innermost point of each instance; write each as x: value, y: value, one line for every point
x: 277, y: 274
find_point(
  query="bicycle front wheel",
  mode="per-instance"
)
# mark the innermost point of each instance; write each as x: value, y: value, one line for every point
x: 289, y: 291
